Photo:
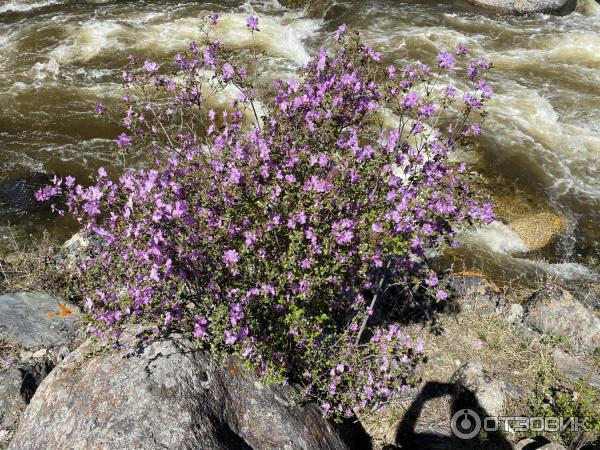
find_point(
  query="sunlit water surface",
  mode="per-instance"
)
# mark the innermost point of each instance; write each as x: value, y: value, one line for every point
x: 541, y: 142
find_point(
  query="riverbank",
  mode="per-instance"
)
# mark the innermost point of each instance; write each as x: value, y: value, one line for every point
x: 500, y: 352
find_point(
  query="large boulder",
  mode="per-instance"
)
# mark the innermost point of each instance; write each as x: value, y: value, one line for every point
x: 165, y: 395
x: 526, y: 6
x: 37, y: 320
x: 555, y: 312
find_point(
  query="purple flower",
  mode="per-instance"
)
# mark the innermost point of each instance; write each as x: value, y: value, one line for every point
x: 200, y: 327
x: 411, y: 99
x: 472, y: 101
x: 446, y: 60
x: 432, y: 280
x: 230, y: 257
x: 461, y: 49
x: 127, y: 77
x: 485, y: 88
x: 124, y: 140
x: 213, y: 18
x: 228, y: 72
x: 252, y: 23
x: 151, y: 67
x: 391, y: 71
x: 345, y: 237
x: 46, y: 193
x: 230, y: 337
x: 450, y: 92
x: 340, y: 32
x: 427, y: 110
x: 377, y: 228
x: 442, y: 295
x: 372, y: 54
x: 100, y: 109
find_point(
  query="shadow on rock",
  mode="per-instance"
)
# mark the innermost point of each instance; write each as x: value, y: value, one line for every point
x: 464, y: 407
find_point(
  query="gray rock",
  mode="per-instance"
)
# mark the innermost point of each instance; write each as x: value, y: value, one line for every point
x: 11, y: 401
x: 18, y: 383
x: 476, y: 292
x: 76, y: 249
x: 576, y: 369
x: 37, y: 320
x: 165, y: 395
x: 526, y: 444
x: 526, y: 6
x: 513, y: 313
x: 488, y: 391
x: 555, y: 312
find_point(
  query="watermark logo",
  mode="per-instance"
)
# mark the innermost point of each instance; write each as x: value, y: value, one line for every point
x: 466, y: 424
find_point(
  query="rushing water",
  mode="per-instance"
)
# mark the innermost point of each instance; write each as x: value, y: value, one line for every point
x: 542, y: 138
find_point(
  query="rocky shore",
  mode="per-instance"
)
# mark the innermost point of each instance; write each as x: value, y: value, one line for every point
x: 484, y: 352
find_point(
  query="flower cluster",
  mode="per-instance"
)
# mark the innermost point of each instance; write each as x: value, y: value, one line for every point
x: 273, y: 238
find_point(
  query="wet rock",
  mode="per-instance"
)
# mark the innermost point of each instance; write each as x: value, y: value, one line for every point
x: 165, y: 395
x: 538, y: 230
x: 17, y: 195
x: 526, y: 6
x: 489, y: 393
x: 513, y: 313
x: 37, y: 320
x: 555, y: 312
x: 576, y: 369
x: 473, y: 290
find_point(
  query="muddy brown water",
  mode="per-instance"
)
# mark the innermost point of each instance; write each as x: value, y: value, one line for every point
x: 541, y: 142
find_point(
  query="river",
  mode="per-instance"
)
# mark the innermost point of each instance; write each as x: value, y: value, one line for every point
x: 540, y: 149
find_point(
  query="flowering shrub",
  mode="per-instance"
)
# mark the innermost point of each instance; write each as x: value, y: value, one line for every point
x: 273, y: 241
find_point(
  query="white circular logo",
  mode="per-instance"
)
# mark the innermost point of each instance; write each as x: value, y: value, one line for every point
x: 465, y: 424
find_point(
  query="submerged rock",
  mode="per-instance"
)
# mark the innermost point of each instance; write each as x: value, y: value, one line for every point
x: 539, y: 230
x: 17, y: 195
x: 526, y: 6
x: 36, y: 320
x: 554, y: 311
x: 165, y: 395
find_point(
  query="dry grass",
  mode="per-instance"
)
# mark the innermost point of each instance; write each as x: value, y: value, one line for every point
x: 33, y: 266
x: 456, y: 340
x: 9, y: 352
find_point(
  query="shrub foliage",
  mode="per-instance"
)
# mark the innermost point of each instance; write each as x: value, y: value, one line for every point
x: 270, y: 231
